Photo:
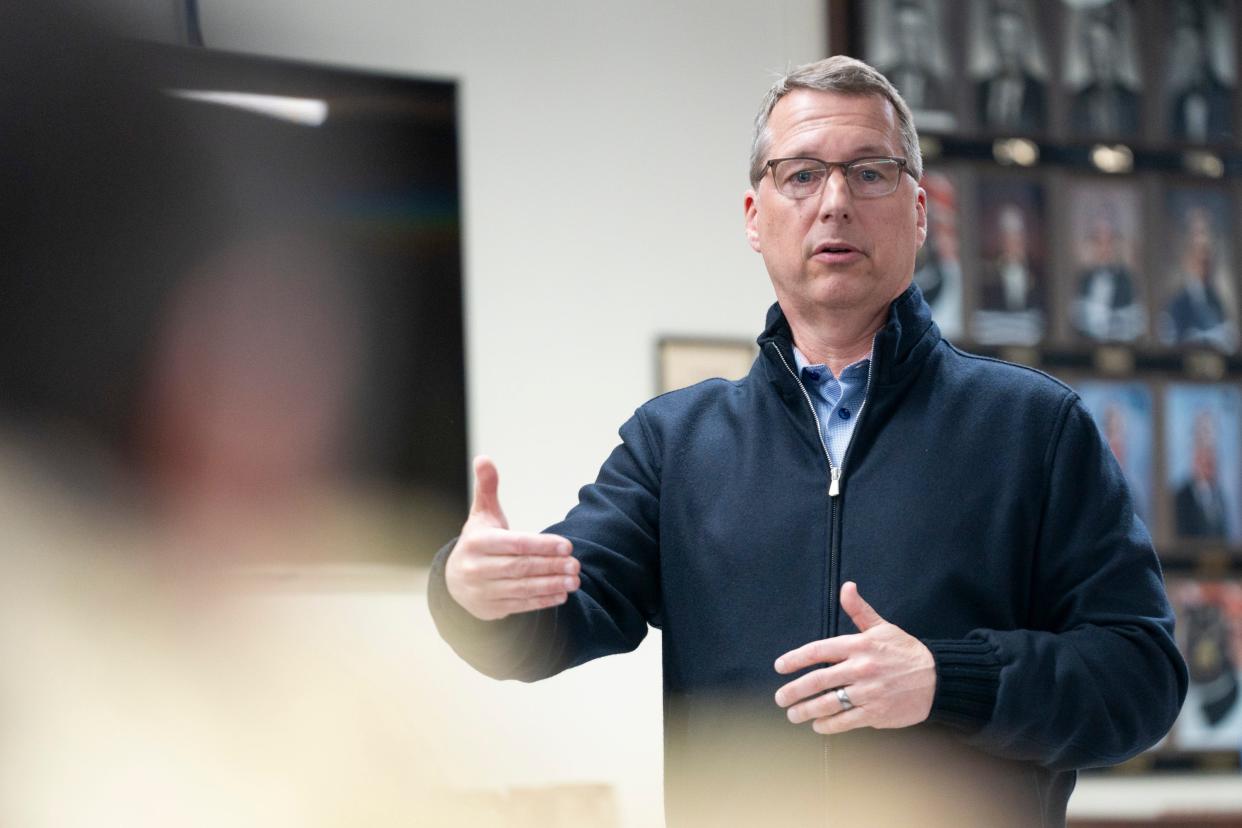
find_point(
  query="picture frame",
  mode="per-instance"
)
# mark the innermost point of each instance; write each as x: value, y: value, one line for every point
x: 682, y: 361
x: 1209, y: 634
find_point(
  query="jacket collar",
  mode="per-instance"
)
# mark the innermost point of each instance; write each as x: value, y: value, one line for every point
x: 901, y: 346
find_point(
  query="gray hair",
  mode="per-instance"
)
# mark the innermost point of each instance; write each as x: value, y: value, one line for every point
x: 843, y: 75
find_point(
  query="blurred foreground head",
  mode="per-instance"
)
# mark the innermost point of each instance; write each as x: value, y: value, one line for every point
x: 166, y: 342
x: 176, y: 331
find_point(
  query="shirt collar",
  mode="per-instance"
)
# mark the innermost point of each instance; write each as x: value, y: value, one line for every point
x: 851, y: 370
x: 901, y: 348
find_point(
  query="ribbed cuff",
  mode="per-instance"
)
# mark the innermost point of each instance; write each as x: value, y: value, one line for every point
x: 967, y: 680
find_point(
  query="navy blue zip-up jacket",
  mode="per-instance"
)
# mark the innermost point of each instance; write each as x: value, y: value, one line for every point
x: 979, y: 510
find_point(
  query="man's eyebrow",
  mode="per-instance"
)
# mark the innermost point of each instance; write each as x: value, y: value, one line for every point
x: 865, y: 151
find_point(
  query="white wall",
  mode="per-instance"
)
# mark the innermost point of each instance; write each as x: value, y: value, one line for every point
x: 604, y: 153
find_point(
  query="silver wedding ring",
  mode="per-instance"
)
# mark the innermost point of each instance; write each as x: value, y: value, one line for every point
x: 844, y: 698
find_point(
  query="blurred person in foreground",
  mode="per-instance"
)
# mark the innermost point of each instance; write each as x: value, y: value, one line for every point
x: 898, y: 584
x: 169, y: 403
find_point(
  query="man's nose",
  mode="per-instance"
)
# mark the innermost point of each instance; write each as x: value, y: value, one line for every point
x: 836, y: 201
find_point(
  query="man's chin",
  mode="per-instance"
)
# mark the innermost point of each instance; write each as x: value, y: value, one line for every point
x: 840, y: 300
x: 849, y: 292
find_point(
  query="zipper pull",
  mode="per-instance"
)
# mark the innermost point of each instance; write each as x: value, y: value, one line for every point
x: 834, y: 488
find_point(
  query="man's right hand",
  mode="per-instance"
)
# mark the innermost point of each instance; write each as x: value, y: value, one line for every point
x: 494, y: 571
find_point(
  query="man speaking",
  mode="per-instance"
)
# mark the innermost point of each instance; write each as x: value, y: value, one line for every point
x: 897, y: 583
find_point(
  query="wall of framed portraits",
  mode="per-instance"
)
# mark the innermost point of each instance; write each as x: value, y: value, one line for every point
x: 1082, y: 184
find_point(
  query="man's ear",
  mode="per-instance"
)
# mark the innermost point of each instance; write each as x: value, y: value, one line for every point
x: 751, y: 205
x: 921, y: 225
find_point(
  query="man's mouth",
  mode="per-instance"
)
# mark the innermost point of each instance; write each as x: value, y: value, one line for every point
x: 836, y: 250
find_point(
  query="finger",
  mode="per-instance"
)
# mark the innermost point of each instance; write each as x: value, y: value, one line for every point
x: 814, y: 683
x: 519, y: 588
x: 486, y: 505
x: 525, y: 566
x: 498, y: 541
x: 825, y: 651
x: 511, y: 606
x: 859, y: 611
x: 851, y: 719
x: 820, y: 707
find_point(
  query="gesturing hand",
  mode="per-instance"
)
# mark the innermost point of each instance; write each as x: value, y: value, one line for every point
x: 494, y: 571
x: 889, y: 675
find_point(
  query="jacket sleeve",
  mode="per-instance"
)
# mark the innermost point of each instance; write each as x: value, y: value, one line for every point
x: 1097, y: 678
x: 614, y: 532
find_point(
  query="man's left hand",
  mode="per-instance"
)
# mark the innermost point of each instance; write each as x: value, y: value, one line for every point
x: 889, y: 676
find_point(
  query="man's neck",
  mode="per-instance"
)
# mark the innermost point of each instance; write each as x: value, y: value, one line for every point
x: 836, y: 340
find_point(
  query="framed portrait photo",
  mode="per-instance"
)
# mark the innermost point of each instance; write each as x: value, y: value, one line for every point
x: 1013, y: 284
x: 908, y: 40
x: 1200, y: 304
x: 1123, y: 411
x: 1209, y: 634
x: 1101, y: 69
x: 938, y: 265
x: 1106, y: 284
x: 1008, y: 67
x: 1201, y: 424
x: 1200, y: 71
x: 684, y: 361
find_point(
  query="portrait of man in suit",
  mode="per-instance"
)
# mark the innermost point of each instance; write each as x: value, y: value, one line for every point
x: 1012, y: 290
x: 1009, y: 67
x: 1123, y: 413
x: 1200, y: 501
x: 1200, y: 73
x: 1101, y: 71
x: 1201, y: 309
x: 906, y: 39
x: 938, y: 265
x: 1202, y: 447
x: 1108, y: 303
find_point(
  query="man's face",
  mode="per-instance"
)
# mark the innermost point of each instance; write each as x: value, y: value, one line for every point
x: 1101, y: 47
x: 1115, y: 431
x: 1102, y: 240
x: 1189, y: 44
x: 1199, y: 240
x: 1012, y: 234
x: 835, y: 251
x: 1009, y: 30
x: 1204, y: 449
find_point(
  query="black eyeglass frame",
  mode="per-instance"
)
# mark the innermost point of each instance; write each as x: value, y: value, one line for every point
x: 902, y: 164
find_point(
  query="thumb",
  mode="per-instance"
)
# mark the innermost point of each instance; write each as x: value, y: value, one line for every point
x: 859, y: 611
x: 486, y: 506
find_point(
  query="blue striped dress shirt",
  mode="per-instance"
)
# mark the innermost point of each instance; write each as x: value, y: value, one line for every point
x: 836, y: 399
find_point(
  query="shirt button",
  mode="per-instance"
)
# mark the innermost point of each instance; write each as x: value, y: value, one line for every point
x: 843, y: 413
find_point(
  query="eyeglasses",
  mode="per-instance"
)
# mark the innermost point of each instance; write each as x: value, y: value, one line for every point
x: 867, y: 177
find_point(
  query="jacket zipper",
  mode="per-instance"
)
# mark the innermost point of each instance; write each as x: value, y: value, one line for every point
x: 834, y: 496
x: 834, y: 473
